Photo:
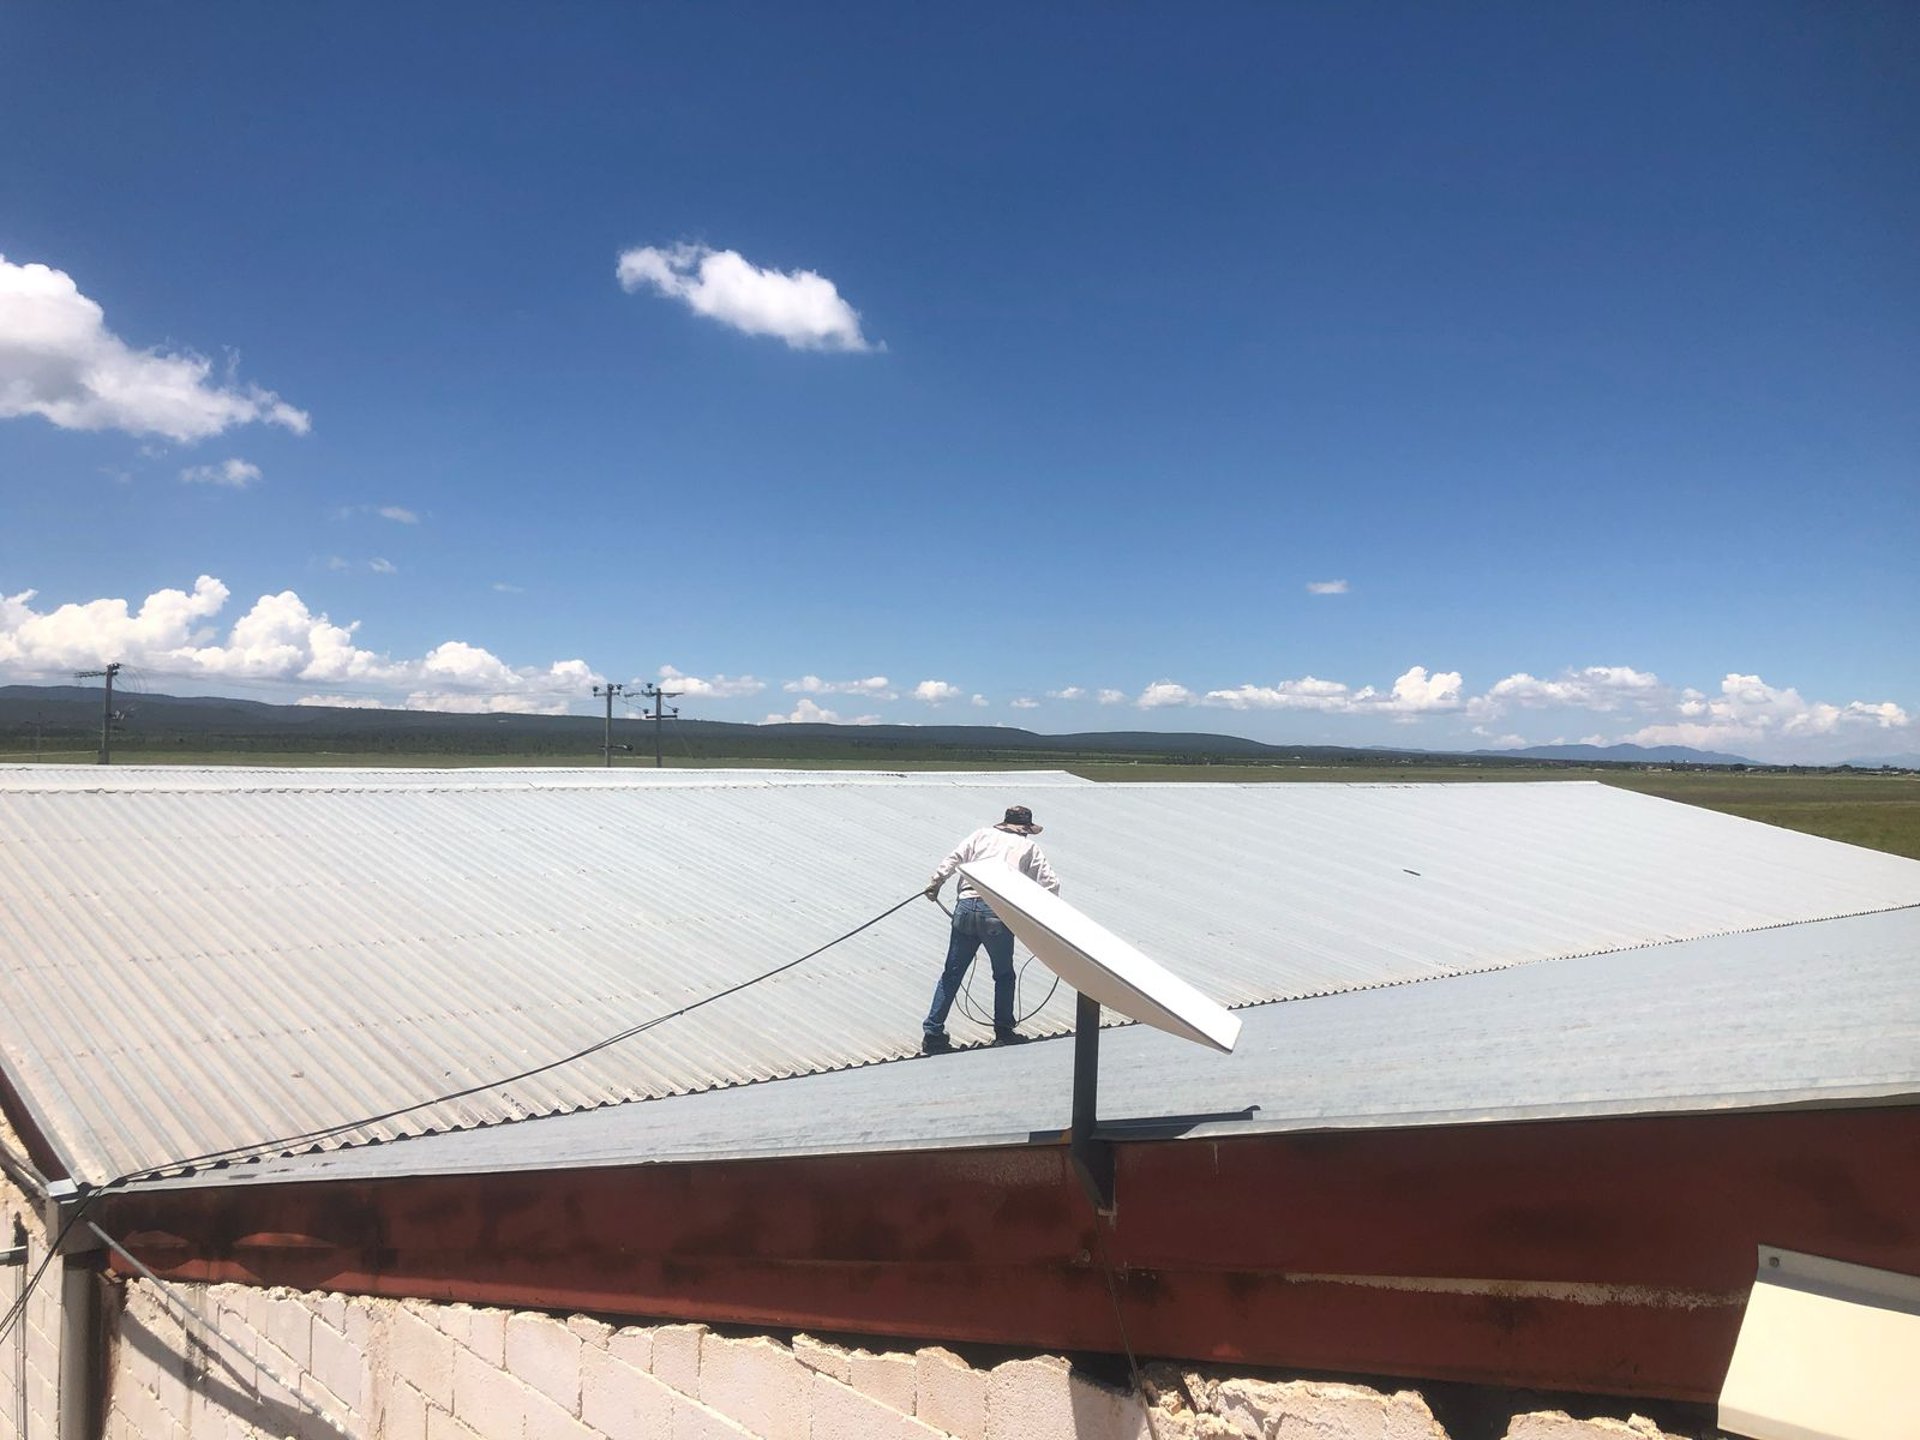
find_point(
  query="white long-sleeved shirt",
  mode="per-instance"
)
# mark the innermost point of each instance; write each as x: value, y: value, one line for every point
x: 990, y: 842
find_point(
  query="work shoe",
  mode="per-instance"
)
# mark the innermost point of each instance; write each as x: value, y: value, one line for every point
x: 934, y: 1044
x: 1010, y: 1037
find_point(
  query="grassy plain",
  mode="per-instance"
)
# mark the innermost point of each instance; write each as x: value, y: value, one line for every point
x: 1881, y: 812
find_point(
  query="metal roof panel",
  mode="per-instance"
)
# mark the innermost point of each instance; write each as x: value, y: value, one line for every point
x: 196, y: 960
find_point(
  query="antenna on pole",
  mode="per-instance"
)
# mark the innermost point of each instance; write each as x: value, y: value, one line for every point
x: 656, y: 694
x: 610, y: 691
x: 106, y: 708
x: 1106, y: 970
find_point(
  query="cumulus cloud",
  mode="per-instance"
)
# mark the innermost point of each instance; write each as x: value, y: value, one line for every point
x: 1162, y: 693
x: 1749, y: 711
x: 505, y: 589
x: 1024, y: 702
x: 1113, y: 697
x: 1306, y: 693
x: 874, y: 687
x: 237, y: 474
x: 381, y: 566
x: 58, y: 360
x: 808, y: 712
x: 1326, y: 587
x: 1596, y: 687
x: 980, y: 702
x: 801, y: 307
x: 936, y: 692
x: 279, y: 638
x: 1414, y: 692
x: 1071, y: 692
x: 713, y: 687
x: 399, y: 514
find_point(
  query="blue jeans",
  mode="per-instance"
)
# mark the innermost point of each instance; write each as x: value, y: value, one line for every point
x: 974, y: 925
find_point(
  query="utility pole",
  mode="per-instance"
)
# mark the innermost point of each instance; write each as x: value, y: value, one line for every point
x: 656, y: 694
x: 610, y: 691
x: 106, y: 708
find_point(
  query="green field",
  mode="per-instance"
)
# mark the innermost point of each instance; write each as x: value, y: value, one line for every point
x: 1881, y: 812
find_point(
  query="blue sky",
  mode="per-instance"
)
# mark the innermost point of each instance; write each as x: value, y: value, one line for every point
x: 978, y: 363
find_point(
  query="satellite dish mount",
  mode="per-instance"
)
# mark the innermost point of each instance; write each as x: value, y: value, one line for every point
x: 1105, y: 970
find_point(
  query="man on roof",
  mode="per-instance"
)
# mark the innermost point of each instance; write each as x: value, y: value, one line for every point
x: 974, y: 924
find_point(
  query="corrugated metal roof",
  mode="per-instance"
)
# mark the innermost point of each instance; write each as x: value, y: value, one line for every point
x: 31, y: 778
x: 1825, y: 1013
x: 188, y: 969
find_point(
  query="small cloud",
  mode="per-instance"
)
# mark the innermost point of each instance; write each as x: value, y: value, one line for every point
x: 345, y: 702
x: 1112, y: 697
x: 874, y: 687
x: 979, y: 702
x: 339, y: 562
x: 1162, y: 693
x: 801, y: 307
x: 236, y: 474
x: 505, y: 589
x: 716, y: 687
x: 809, y: 713
x: 936, y: 692
x: 1024, y: 702
x: 1072, y: 692
x: 1326, y: 587
x: 382, y: 567
x: 399, y: 514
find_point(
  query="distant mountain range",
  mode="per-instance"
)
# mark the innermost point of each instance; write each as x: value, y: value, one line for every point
x: 1909, y: 761
x: 66, y: 718
x: 1631, y: 754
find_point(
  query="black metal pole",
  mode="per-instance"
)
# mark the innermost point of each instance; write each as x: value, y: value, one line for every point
x: 1092, y: 1159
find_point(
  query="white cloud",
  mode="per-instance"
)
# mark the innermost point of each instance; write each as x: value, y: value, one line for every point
x: 936, y: 692
x: 1306, y: 693
x: 801, y: 307
x: 399, y: 514
x: 1113, y: 697
x: 874, y: 687
x: 807, y: 712
x: 235, y: 473
x: 58, y: 360
x: 1749, y: 711
x: 505, y: 589
x: 1416, y: 690
x: 1326, y: 587
x: 345, y: 702
x: 278, y: 639
x: 715, y: 687
x: 1162, y: 693
x: 382, y: 567
x: 1072, y: 692
x: 1596, y: 687
x: 1024, y: 702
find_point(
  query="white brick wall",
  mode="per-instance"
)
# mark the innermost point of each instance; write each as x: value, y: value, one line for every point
x: 312, y: 1366
x: 30, y: 1355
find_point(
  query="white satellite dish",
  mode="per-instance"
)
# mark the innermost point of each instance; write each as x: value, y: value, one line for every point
x: 1098, y: 963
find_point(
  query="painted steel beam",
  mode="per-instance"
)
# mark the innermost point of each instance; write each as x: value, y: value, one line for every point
x: 1611, y: 1256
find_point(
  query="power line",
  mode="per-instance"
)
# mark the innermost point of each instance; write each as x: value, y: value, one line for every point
x: 262, y: 1148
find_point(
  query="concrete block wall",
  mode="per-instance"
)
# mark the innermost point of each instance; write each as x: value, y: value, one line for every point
x: 251, y: 1362
x: 30, y: 1353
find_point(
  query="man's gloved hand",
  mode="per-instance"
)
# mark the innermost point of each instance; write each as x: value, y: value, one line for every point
x: 933, y: 891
